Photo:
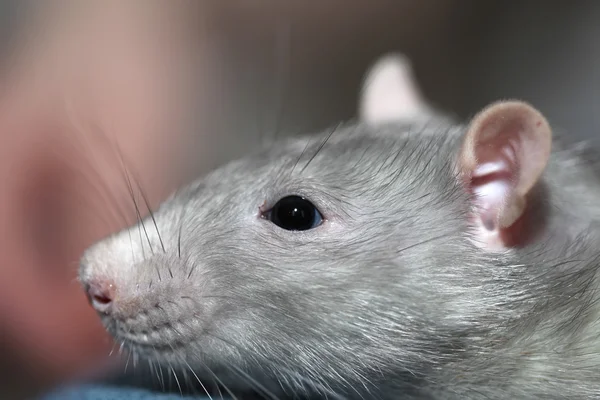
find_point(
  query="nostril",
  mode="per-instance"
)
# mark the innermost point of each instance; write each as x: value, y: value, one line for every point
x: 101, y: 299
x: 100, y: 295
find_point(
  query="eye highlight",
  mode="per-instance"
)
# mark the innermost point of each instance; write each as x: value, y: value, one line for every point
x: 294, y: 213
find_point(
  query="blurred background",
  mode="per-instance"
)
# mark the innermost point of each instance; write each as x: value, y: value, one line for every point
x: 170, y: 89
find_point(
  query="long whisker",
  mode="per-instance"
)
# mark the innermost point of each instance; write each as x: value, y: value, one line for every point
x: 181, y: 222
x: 162, y: 377
x: 112, y: 350
x: 85, y: 141
x: 300, y: 157
x: 218, y: 388
x: 176, y: 379
x: 320, y: 147
x: 233, y: 396
x: 147, y: 203
x: 327, y: 391
x: 421, y: 243
x: 141, y: 225
x: 153, y: 371
x: 100, y: 191
x: 131, y: 191
x: 128, y: 358
x: 135, y: 359
x: 140, y: 220
x: 198, y: 379
x: 253, y: 381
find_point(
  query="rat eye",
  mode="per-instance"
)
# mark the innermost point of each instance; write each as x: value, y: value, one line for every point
x: 295, y: 213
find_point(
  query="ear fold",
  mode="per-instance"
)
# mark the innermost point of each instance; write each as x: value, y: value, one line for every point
x: 390, y: 93
x: 503, y: 155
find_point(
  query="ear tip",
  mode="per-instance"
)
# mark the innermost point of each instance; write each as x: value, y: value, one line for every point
x: 394, y: 58
x: 393, y: 63
x: 390, y: 91
x: 512, y: 104
x: 515, y: 108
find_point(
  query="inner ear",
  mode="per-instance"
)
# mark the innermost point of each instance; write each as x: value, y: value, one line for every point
x: 504, y: 154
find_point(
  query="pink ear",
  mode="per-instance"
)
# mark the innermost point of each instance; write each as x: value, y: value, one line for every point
x: 503, y: 155
x: 391, y: 92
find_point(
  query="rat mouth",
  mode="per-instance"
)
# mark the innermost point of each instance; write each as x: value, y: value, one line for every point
x: 139, y: 345
x: 145, y: 337
x: 150, y: 348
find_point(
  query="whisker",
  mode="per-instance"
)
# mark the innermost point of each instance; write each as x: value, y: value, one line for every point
x: 131, y: 191
x: 218, y: 388
x: 162, y: 377
x: 151, y: 367
x: 153, y: 372
x: 186, y: 381
x: 128, y: 358
x: 131, y: 245
x: 327, y: 391
x: 301, y: 154
x: 147, y: 203
x: 112, y: 350
x: 233, y: 396
x: 181, y: 222
x: 198, y: 379
x: 101, y: 193
x: 253, y: 381
x: 176, y: 379
x: 192, y: 269
x: 320, y: 147
x: 135, y: 359
x: 85, y: 140
x: 141, y: 224
x: 347, y: 384
x: 422, y: 243
x: 113, y: 146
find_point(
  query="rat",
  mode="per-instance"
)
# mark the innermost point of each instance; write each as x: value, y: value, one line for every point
x: 399, y: 255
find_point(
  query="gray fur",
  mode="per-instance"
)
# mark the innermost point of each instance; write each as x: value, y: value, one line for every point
x: 388, y: 299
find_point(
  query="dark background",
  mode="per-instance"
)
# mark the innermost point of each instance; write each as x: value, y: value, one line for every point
x: 466, y: 53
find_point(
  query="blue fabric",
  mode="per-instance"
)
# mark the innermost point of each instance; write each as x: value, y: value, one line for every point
x: 108, y: 392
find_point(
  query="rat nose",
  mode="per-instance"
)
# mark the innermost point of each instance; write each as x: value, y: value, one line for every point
x: 101, y: 295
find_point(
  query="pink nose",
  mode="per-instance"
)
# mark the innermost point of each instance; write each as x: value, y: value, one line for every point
x: 101, y: 295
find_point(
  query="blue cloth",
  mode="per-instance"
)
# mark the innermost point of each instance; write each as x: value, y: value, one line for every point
x: 108, y: 392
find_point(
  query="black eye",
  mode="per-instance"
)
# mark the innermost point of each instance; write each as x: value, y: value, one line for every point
x: 295, y: 213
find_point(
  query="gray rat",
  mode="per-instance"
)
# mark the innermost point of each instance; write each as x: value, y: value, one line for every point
x: 399, y: 256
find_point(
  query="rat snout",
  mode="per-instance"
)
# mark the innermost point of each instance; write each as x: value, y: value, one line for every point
x: 101, y: 294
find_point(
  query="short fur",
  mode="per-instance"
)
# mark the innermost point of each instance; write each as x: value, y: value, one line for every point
x: 387, y: 299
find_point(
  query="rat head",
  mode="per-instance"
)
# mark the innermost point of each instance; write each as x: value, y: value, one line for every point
x: 335, y: 261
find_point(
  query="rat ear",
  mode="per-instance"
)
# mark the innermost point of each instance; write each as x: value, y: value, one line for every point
x: 504, y: 154
x: 390, y: 92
